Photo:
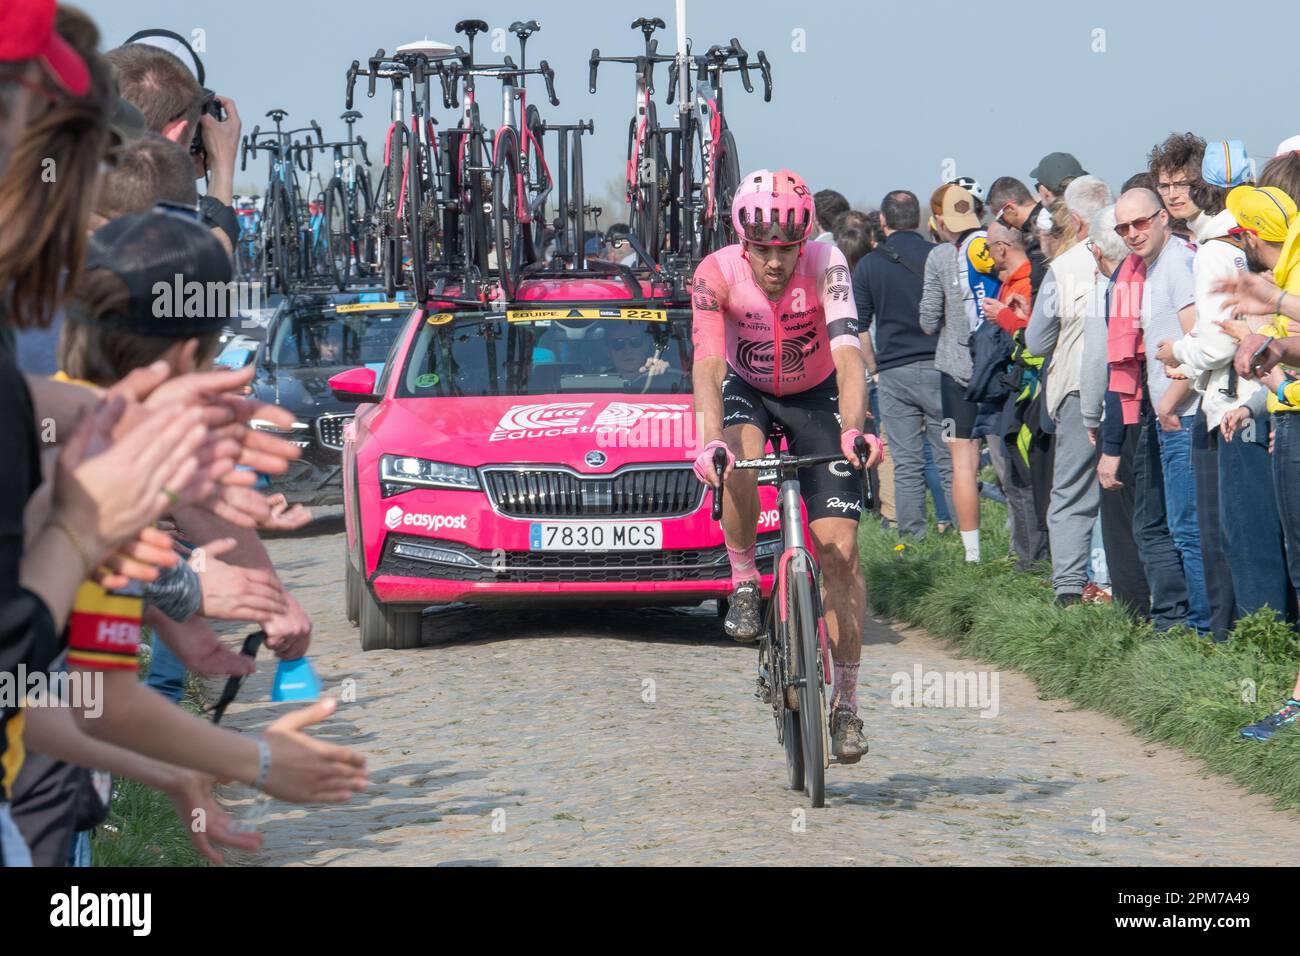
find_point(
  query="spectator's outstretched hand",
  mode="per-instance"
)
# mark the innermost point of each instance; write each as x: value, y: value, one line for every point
x: 304, y: 770
x: 193, y: 791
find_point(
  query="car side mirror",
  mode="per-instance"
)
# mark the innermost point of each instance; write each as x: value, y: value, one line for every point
x: 354, y: 385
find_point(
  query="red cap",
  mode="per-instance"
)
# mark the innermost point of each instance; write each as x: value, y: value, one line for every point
x: 27, y: 33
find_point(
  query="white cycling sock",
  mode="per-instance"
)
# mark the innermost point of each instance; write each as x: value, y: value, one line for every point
x: 971, y: 542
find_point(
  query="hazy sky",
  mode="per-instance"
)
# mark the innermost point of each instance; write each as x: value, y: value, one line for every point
x: 868, y: 96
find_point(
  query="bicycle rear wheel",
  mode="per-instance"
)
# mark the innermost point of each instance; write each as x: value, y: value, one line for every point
x: 338, y: 235
x: 506, y: 200
x: 806, y: 669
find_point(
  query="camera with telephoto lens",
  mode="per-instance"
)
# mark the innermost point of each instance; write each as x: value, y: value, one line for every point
x: 211, y: 107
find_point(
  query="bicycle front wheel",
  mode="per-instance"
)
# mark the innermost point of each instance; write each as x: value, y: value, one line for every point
x: 338, y: 235
x: 726, y: 184
x: 806, y: 668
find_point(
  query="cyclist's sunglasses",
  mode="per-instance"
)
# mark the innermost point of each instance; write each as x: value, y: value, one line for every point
x: 620, y: 344
x: 231, y: 690
x: 1141, y: 224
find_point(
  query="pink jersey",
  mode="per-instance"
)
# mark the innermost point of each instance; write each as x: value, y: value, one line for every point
x: 734, y: 318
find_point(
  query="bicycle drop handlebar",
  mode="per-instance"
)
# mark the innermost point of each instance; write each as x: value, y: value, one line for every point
x: 784, y: 466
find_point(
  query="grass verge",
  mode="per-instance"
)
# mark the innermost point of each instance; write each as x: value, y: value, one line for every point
x: 142, y: 827
x: 1175, y: 688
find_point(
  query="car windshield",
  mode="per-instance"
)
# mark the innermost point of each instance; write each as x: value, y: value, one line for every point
x: 327, y: 339
x: 478, y: 355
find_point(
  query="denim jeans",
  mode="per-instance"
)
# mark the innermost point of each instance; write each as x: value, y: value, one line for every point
x: 1160, y: 558
x: 1252, y: 531
x: 166, y: 672
x: 934, y: 481
x: 1098, y: 569
x: 1180, y: 506
x: 13, y: 848
x: 1286, y: 466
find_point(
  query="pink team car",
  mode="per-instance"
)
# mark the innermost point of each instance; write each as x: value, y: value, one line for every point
x: 538, y: 453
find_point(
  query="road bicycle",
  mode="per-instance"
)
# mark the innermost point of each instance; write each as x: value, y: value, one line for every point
x: 521, y: 180
x: 647, y: 162
x: 701, y: 208
x: 248, y: 250
x: 345, y: 208
x: 406, y: 200
x: 286, y: 242
x: 794, y: 659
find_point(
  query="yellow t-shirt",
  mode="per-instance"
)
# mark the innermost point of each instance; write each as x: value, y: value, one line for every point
x: 1287, y: 276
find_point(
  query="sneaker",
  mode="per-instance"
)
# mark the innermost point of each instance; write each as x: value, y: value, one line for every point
x: 744, y: 619
x: 1068, y: 598
x: 1266, y: 728
x: 847, y: 741
x: 1094, y: 593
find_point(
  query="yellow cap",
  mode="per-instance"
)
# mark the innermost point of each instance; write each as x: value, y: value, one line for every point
x: 979, y: 255
x: 1265, y: 210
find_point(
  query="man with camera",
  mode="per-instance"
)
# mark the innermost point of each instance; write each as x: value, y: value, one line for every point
x: 160, y: 74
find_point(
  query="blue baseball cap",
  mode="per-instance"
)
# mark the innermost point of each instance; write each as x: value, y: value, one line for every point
x: 1226, y: 164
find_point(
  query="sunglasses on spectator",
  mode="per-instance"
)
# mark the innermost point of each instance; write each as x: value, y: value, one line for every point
x: 621, y: 344
x: 1141, y: 224
x: 1002, y: 212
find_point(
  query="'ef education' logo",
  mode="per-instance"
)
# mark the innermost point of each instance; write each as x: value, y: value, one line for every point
x: 102, y: 909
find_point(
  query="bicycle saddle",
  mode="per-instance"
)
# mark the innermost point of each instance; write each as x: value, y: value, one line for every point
x: 524, y: 30
x: 351, y: 115
x: 471, y: 27
x: 649, y: 24
x: 277, y: 115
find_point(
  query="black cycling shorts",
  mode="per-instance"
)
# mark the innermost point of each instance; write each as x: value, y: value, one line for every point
x: 956, y: 409
x: 811, y: 423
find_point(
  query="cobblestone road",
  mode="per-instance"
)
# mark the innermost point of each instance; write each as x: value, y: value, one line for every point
x: 525, y: 738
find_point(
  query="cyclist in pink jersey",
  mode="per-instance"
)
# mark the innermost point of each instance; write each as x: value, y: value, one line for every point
x: 776, y: 342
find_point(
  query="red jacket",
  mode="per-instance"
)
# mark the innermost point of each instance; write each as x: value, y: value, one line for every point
x: 1016, y: 283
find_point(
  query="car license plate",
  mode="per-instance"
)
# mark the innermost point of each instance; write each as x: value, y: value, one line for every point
x: 596, y: 536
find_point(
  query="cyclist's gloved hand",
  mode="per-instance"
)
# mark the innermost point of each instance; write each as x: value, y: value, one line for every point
x: 849, y: 438
x: 704, y: 463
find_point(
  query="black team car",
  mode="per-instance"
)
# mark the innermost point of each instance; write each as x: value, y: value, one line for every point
x: 308, y: 339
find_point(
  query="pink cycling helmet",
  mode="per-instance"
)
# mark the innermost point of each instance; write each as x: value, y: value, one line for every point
x: 773, y: 208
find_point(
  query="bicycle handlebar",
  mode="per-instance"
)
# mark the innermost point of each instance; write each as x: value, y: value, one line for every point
x: 766, y: 69
x: 593, y: 63
x: 782, y: 462
x: 548, y: 75
x: 719, y: 466
x: 742, y: 59
x: 352, y: 81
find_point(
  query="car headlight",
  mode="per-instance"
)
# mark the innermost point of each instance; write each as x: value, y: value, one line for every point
x: 399, y: 473
x: 262, y: 425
